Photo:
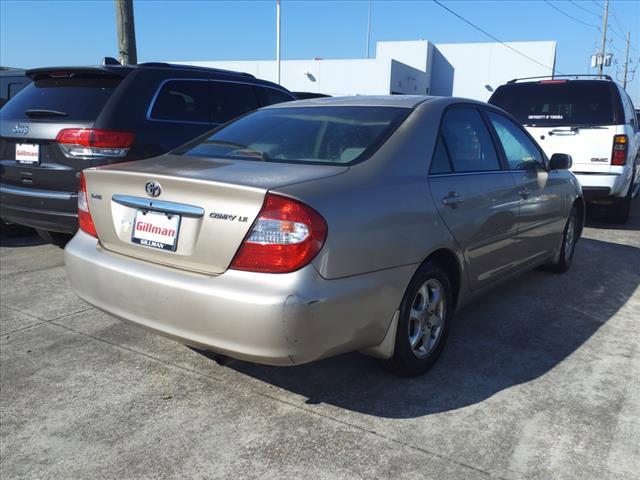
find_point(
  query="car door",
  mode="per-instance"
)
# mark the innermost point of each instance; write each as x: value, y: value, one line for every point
x: 475, y: 196
x: 542, y: 199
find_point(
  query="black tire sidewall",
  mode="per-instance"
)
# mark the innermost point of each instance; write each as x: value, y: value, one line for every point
x: 404, y: 362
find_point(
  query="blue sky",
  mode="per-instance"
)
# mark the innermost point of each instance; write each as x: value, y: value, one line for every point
x: 56, y: 32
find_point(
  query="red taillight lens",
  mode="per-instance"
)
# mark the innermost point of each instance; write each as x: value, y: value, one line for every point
x: 94, y: 142
x: 84, y: 216
x: 552, y: 81
x: 285, y: 237
x: 620, y: 150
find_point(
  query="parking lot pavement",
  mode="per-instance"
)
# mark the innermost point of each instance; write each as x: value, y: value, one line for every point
x: 539, y: 380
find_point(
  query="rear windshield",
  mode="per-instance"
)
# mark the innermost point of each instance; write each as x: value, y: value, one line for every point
x: 69, y: 98
x: 322, y: 134
x: 567, y: 103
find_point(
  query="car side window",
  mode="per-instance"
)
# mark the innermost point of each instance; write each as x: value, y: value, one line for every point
x: 14, y: 88
x: 269, y: 96
x: 440, y: 161
x: 182, y: 101
x: 230, y: 100
x: 521, y: 152
x: 468, y: 141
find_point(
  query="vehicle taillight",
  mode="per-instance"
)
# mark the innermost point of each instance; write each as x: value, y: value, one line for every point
x: 285, y: 237
x: 94, y: 142
x: 552, y: 81
x: 620, y: 148
x: 84, y: 215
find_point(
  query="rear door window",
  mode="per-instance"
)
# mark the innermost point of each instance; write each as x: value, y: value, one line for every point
x: 79, y: 98
x: 230, y: 100
x: 520, y: 151
x: 183, y: 101
x: 558, y: 102
x: 468, y: 141
x: 440, y: 162
x: 270, y: 96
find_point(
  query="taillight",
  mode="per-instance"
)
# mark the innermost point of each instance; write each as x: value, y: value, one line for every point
x: 94, y: 142
x: 620, y: 149
x: 84, y: 215
x: 285, y: 237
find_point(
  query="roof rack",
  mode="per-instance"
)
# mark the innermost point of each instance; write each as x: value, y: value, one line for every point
x: 553, y: 77
x: 192, y: 67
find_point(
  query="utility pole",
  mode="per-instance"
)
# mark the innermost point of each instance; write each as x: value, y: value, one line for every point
x: 626, y: 62
x: 278, y: 40
x: 126, y: 32
x: 605, y: 17
x: 369, y: 29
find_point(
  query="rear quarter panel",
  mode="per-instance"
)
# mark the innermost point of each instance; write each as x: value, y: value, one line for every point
x: 380, y: 213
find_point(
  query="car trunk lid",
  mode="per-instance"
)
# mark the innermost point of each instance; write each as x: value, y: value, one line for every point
x: 211, y: 204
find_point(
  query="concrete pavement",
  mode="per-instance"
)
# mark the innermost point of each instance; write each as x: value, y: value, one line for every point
x: 539, y: 380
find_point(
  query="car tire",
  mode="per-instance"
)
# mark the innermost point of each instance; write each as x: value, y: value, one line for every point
x: 568, y: 247
x: 619, y: 211
x: 423, y: 324
x: 55, y: 238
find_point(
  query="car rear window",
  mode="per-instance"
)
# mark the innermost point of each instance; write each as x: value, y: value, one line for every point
x: 581, y: 102
x: 324, y: 135
x: 78, y: 98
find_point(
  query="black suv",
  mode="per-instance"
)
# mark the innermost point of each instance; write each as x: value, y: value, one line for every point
x: 72, y: 118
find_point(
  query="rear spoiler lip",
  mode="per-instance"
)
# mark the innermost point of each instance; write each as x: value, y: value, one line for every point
x: 36, y: 73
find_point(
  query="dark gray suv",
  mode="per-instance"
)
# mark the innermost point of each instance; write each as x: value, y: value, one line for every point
x: 71, y: 118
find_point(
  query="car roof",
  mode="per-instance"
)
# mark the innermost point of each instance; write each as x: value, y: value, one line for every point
x: 400, y: 101
x: 12, y: 72
x: 405, y: 101
x: 124, y: 70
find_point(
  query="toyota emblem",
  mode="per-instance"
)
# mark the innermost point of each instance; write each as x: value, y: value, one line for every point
x: 153, y: 189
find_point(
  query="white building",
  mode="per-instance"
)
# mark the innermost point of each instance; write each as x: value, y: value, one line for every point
x: 408, y: 67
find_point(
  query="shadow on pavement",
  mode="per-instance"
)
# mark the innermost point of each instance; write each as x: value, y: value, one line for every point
x: 596, y: 218
x: 513, y: 335
x: 12, y: 235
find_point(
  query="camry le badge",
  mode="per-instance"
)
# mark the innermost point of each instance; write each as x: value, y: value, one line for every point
x: 20, y: 129
x: 153, y: 189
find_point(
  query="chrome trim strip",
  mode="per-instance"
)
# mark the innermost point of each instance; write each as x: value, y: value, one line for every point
x: 458, y: 174
x: 155, y: 97
x: 159, y: 206
x: 31, y: 192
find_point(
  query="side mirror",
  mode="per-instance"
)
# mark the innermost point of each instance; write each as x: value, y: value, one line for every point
x: 560, y: 161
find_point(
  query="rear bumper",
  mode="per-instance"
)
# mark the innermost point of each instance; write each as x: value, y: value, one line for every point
x: 43, y: 209
x: 596, y: 185
x: 274, y: 319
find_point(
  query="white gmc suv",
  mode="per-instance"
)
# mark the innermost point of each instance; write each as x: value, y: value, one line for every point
x: 594, y: 121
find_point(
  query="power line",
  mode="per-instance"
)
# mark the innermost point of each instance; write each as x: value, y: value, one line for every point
x: 493, y: 37
x: 621, y: 29
x: 570, y: 16
x: 585, y: 9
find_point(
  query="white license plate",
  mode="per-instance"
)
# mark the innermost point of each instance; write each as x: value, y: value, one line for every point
x: 157, y: 230
x: 27, y: 153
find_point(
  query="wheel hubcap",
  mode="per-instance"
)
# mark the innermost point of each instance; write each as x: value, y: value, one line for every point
x: 426, y: 318
x: 570, y: 237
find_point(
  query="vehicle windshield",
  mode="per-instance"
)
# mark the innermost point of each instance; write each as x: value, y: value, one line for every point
x: 318, y: 134
x: 570, y: 103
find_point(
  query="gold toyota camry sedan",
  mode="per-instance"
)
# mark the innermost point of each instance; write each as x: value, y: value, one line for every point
x: 318, y: 227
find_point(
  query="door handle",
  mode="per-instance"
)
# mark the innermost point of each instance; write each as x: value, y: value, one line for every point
x: 524, y: 192
x: 452, y: 200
